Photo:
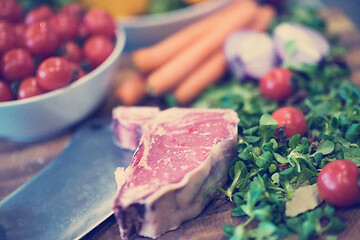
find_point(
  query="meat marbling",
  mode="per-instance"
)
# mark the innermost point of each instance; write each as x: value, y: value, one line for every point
x: 182, y: 153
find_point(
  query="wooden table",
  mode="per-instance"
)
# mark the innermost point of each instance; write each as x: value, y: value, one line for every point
x: 20, y: 161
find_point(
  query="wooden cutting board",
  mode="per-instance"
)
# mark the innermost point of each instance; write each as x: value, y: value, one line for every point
x: 20, y: 161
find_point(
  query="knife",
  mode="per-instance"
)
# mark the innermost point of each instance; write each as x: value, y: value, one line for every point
x: 72, y: 194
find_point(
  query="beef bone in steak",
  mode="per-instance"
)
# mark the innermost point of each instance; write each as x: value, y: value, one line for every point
x: 127, y: 124
x: 183, y: 152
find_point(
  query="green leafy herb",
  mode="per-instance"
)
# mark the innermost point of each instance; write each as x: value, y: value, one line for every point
x: 267, y: 169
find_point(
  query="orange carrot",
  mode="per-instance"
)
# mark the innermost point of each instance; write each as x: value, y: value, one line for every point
x: 131, y: 90
x: 211, y: 70
x: 168, y: 76
x: 263, y: 19
x: 205, y: 75
x: 149, y: 58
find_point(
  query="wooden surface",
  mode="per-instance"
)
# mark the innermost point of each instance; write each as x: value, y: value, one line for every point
x: 20, y: 161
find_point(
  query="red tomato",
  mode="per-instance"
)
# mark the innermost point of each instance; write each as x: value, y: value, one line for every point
x: 338, y: 183
x: 39, y: 14
x: 8, y: 38
x: 5, y: 92
x: 11, y: 10
x: 291, y: 121
x: 71, y: 52
x: 276, y: 84
x: 41, y: 39
x: 66, y: 25
x: 29, y: 87
x: 96, y: 49
x: 99, y: 22
x: 17, y: 64
x: 54, y: 73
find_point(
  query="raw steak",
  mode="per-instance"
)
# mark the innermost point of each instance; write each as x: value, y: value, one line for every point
x: 127, y: 124
x: 182, y: 153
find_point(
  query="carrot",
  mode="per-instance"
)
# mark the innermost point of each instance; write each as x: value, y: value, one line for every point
x: 169, y: 75
x: 131, y: 90
x: 205, y: 75
x: 211, y: 70
x: 263, y: 19
x: 149, y: 58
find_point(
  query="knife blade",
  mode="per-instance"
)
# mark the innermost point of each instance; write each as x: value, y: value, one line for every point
x: 72, y: 194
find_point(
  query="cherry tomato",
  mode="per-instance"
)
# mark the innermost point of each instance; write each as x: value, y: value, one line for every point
x: 71, y: 52
x: 39, y: 14
x: 11, y: 10
x: 66, y: 25
x: 5, y: 92
x: 54, y: 73
x: 338, y: 183
x: 99, y: 22
x: 291, y: 121
x: 8, y: 38
x: 96, y: 49
x: 41, y: 39
x: 276, y: 84
x: 29, y: 87
x: 17, y: 64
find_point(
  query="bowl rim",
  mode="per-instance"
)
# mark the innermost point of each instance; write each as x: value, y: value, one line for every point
x: 188, y: 12
x: 115, y: 54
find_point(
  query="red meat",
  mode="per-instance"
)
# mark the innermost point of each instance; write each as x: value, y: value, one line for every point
x: 182, y: 153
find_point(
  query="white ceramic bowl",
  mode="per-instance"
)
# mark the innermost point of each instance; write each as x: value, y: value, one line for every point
x: 51, y: 113
x: 146, y: 30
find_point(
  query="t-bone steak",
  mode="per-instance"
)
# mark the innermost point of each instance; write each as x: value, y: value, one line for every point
x: 182, y: 153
